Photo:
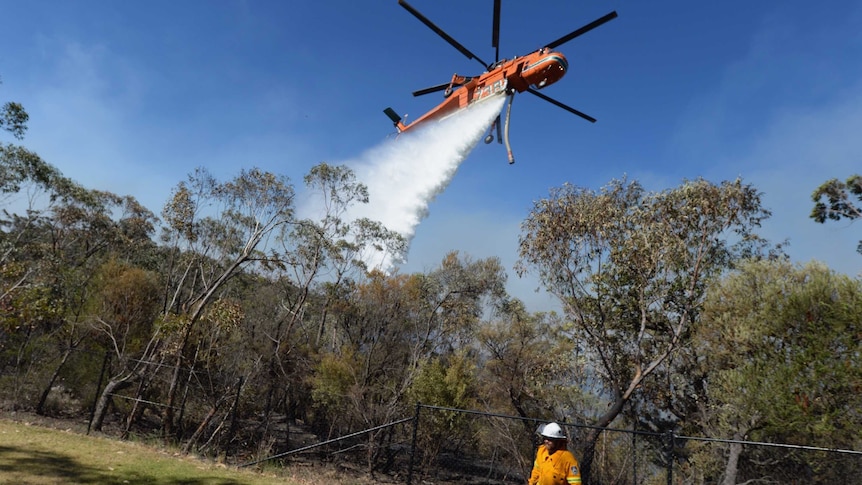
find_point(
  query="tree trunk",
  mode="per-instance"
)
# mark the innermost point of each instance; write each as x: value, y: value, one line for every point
x: 586, y: 461
x: 732, y: 466
x: 40, y: 408
x: 200, y: 429
x: 137, y: 408
x: 194, y: 315
x: 105, y: 398
x: 235, y: 411
x: 168, y: 419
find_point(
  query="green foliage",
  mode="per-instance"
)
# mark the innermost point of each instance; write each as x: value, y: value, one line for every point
x: 25, y: 306
x: 446, y: 383
x: 328, y: 241
x: 19, y: 165
x: 532, y: 366
x: 13, y: 118
x: 833, y: 200
x: 630, y: 268
x: 179, y: 213
x: 224, y: 314
x: 334, y: 378
x: 338, y: 186
x: 838, y: 197
x: 124, y: 304
x: 784, y: 356
x: 214, y: 229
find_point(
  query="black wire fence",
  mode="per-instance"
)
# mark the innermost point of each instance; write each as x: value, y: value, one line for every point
x: 441, y: 445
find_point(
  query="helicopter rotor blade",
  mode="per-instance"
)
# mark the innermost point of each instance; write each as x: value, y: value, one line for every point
x: 583, y: 30
x: 495, y: 31
x: 561, y: 105
x: 432, y: 89
x: 454, y: 43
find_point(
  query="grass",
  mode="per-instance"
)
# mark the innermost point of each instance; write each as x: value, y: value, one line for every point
x: 32, y: 454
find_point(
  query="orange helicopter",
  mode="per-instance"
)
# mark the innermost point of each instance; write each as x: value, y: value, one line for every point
x: 528, y: 73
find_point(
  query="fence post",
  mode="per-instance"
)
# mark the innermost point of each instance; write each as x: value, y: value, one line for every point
x: 670, y: 443
x: 635, y: 451
x: 235, y: 412
x: 98, y: 388
x: 413, y: 444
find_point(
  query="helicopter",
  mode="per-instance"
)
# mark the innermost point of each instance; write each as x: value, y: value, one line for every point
x: 529, y: 73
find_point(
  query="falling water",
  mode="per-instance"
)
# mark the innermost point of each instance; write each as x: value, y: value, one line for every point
x: 405, y: 174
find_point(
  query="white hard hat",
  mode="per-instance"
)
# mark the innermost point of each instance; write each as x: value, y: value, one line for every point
x: 553, y: 430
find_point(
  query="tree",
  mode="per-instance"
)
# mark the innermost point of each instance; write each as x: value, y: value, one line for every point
x: 313, y: 263
x: 527, y: 364
x: 332, y: 243
x: 50, y: 249
x: 19, y: 167
x: 13, y: 118
x: 530, y: 367
x: 394, y: 329
x: 123, y: 310
x: 630, y: 269
x: 838, y: 201
x: 84, y: 231
x: 215, y: 229
x: 784, y: 358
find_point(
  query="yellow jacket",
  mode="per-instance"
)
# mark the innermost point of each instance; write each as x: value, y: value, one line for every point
x: 559, y: 468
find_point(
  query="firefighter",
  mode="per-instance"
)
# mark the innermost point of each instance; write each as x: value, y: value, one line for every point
x: 554, y: 465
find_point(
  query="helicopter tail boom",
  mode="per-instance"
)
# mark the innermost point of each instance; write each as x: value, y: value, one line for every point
x: 396, y: 119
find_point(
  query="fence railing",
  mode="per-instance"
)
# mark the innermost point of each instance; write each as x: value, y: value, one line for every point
x: 447, y: 445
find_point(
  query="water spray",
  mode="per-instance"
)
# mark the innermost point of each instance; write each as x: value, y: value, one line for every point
x: 405, y: 174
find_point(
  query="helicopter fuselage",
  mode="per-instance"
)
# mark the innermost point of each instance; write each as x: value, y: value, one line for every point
x: 536, y: 70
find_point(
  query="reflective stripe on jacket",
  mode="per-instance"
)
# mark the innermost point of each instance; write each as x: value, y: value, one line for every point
x: 559, y: 468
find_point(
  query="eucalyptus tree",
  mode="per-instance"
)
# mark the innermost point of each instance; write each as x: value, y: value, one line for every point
x: 335, y: 243
x: 833, y: 200
x: 53, y: 254
x: 122, y: 312
x: 215, y: 231
x: 87, y: 230
x: 394, y: 336
x: 781, y: 347
x: 21, y: 170
x: 630, y: 269
x: 318, y: 260
x: 53, y: 236
x: 328, y: 249
x: 212, y: 231
x: 530, y: 367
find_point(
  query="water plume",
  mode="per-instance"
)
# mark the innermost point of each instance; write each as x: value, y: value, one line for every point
x: 404, y: 175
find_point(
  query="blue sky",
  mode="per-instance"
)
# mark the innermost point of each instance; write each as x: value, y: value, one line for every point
x: 132, y: 96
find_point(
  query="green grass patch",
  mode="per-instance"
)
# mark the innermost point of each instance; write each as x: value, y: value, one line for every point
x: 38, y: 455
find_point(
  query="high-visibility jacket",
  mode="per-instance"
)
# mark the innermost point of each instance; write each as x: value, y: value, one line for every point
x: 558, y: 468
